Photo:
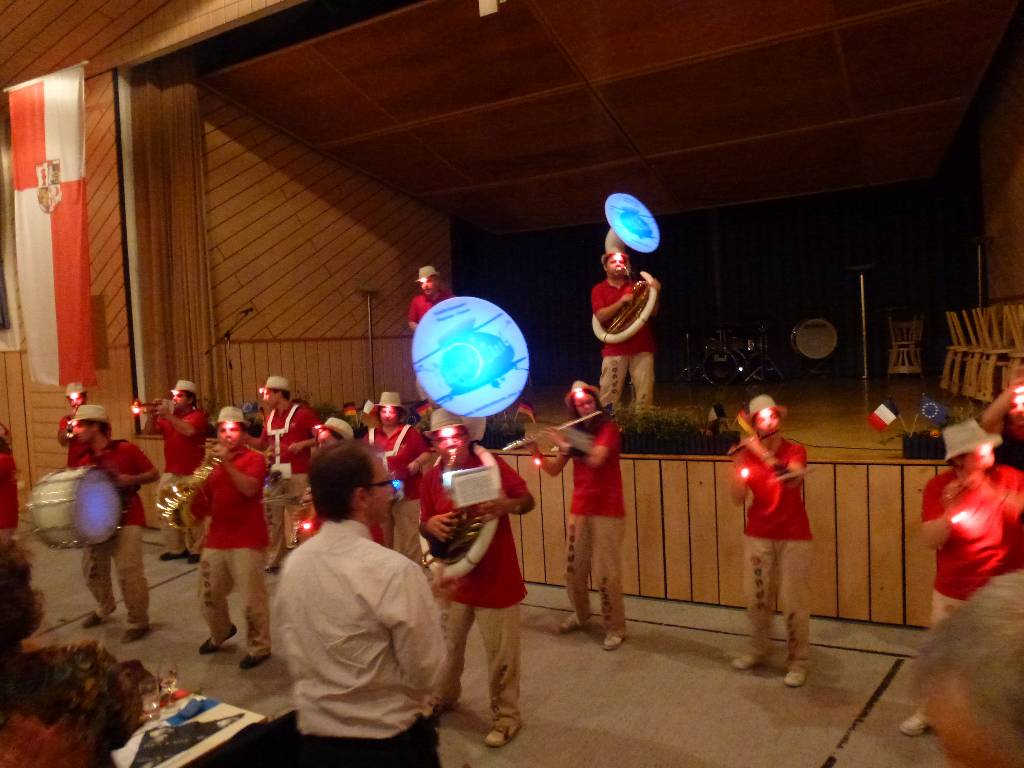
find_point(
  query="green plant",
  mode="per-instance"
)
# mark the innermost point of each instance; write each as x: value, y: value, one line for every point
x: 662, y: 423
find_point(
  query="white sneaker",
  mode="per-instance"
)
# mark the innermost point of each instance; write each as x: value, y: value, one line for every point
x: 795, y: 677
x: 571, y: 624
x: 612, y: 641
x: 915, y: 725
x: 745, y: 662
x: 501, y: 735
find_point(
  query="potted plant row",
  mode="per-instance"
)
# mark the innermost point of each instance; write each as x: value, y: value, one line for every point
x: 648, y: 430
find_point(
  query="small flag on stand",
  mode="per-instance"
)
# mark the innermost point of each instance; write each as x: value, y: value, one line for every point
x: 744, y: 423
x: 423, y: 408
x: 526, y: 408
x: 716, y: 412
x: 883, y: 416
x: 349, y: 409
x: 934, y: 411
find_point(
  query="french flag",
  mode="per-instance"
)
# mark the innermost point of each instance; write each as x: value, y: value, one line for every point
x: 51, y: 229
x: 883, y: 416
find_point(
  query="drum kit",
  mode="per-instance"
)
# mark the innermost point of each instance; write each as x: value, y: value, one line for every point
x: 733, y: 355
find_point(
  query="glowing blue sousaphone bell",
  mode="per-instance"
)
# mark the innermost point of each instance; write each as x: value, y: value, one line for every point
x: 632, y: 226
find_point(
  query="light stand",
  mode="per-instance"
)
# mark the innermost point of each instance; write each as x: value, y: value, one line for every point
x: 369, y: 291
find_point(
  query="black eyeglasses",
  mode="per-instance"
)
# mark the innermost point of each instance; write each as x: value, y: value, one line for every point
x: 377, y: 484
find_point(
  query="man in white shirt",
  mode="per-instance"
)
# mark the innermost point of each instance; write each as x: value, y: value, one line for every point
x: 362, y: 633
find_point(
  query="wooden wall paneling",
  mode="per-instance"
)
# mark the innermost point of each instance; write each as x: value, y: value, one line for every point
x: 820, y: 500
x: 341, y: 390
x: 533, y: 523
x: 919, y: 565
x: 677, y: 530
x: 703, y: 531
x: 17, y: 417
x: 516, y: 521
x: 852, y: 541
x: 730, y: 524
x: 885, y: 520
x: 552, y: 504
x: 153, y: 447
x: 567, y: 486
x: 650, y: 536
x: 630, y: 556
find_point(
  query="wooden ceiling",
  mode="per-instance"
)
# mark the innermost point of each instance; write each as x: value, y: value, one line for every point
x: 528, y: 118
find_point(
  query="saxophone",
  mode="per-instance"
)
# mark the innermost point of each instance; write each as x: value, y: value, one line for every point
x: 175, y: 501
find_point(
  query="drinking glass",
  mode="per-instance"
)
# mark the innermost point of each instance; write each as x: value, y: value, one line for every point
x: 149, y: 691
x: 168, y: 673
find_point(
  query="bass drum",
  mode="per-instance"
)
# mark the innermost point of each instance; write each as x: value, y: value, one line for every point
x: 722, y: 366
x: 814, y: 338
x: 75, y: 507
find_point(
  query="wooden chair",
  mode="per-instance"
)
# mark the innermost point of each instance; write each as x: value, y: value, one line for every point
x: 972, y: 356
x: 1013, y: 337
x: 905, y: 345
x: 952, y: 368
x: 994, y: 352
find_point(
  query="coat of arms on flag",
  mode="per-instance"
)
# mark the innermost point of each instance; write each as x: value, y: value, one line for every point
x: 48, y: 191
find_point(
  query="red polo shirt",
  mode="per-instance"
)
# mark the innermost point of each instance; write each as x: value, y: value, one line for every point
x: 598, y: 490
x: 122, y: 457
x: 420, y: 305
x: 8, y: 492
x: 236, y: 520
x: 412, y: 446
x: 496, y: 582
x: 76, y: 448
x: 777, y: 510
x: 604, y: 294
x: 182, y: 453
x: 301, y: 428
x: 986, y: 539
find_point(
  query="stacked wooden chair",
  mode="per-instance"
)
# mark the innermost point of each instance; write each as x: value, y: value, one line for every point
x: 905, y: 345
x: 956, y: 356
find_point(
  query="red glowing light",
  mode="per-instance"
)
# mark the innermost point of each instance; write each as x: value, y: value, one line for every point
x: 449, y: 432
x: 307, y: 525
x: 137, y: 408
x: 985, y: 449
x: 764, y: 413
x: 536, y: 460
x: 745, y: 473
x: 959, y: 517
x: 317, y: 427
x: 74, y: 397
x: 263, y: 391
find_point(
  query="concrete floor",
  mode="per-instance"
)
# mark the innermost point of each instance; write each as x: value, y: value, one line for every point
x: 667, y: 698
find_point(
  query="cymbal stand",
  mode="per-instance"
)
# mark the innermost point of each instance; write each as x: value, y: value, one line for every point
x: 766, y: 366
x: 690, y: 371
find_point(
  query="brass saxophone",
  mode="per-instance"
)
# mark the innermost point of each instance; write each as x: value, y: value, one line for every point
x: 175, y: 501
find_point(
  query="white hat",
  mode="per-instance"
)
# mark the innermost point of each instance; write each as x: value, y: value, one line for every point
x: 960, y: 438
x: 75, y: 387
x: 476, y: 426
x: 760, y: 402
x: 184, y: 385
x: 581, y: 385
x: 427, y: 271
x: 340, y: 427
x: 440, y: 418
x: 278, y: 382
x: 92, y: 413
x: 389, y: 398
x: 230, y: 413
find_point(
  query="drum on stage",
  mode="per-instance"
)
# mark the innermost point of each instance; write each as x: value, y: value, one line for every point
x: 814, y: 338
x: 722, y: 365
x: 75, y: 507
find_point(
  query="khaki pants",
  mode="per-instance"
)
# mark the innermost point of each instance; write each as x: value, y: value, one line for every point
x: 613, y: 378
x: 595, y: 540
x: 125, y: 550
x: 499, y: 628
x: 405, y: 517
x: 175, y: 539
x: 286, y: 494
x: 220, y: 570
x: 773, y: 567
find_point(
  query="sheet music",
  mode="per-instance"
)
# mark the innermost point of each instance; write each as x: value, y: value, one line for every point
x: 472, y: 486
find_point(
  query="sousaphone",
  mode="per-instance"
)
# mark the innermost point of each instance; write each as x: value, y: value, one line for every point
x: 632, y: 226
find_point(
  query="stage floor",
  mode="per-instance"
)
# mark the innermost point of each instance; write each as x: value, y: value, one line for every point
x: 827, y: 415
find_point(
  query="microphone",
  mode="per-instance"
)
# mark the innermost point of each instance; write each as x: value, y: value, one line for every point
x: 247, y: 311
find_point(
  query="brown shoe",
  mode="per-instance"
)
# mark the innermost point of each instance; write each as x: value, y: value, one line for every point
x: 92, y: 620
x: 135, y: 633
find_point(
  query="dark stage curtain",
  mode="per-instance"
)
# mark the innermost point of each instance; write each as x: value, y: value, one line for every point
x: 780, y: 262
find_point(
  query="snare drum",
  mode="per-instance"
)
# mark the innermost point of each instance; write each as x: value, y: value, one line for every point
x: 75, y: 507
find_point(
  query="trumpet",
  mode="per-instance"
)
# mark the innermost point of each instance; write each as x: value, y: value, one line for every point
x: 560, y: 428
x: 301, y: 523
x: 139, y: 407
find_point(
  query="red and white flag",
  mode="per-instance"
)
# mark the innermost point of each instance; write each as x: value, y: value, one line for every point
x: 48, y: 159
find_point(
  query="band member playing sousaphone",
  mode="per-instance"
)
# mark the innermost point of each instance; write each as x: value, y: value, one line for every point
x: 597, y: 522
x: 407, y: 455
x: 236, y: 541
x: 183, y: 426
x: 130, y: 469
x: 633, y: 355
x: 288, y: 436
x: 777, y: 538
x: 490, y: 593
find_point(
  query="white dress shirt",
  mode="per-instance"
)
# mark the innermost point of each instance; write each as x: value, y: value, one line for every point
x: 362, y: 634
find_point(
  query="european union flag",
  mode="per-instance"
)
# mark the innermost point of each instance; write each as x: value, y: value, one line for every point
x: 934, y: 411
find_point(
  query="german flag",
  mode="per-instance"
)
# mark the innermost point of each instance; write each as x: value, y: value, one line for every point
x: 349, y: 409
x: 744, y: 422
x: 525, y: 407
x: 424, y: 408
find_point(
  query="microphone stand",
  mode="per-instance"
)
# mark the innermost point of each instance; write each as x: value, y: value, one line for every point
x: 226, y: 338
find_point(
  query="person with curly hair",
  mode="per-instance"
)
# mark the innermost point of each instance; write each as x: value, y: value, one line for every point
x: 59, y: 705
